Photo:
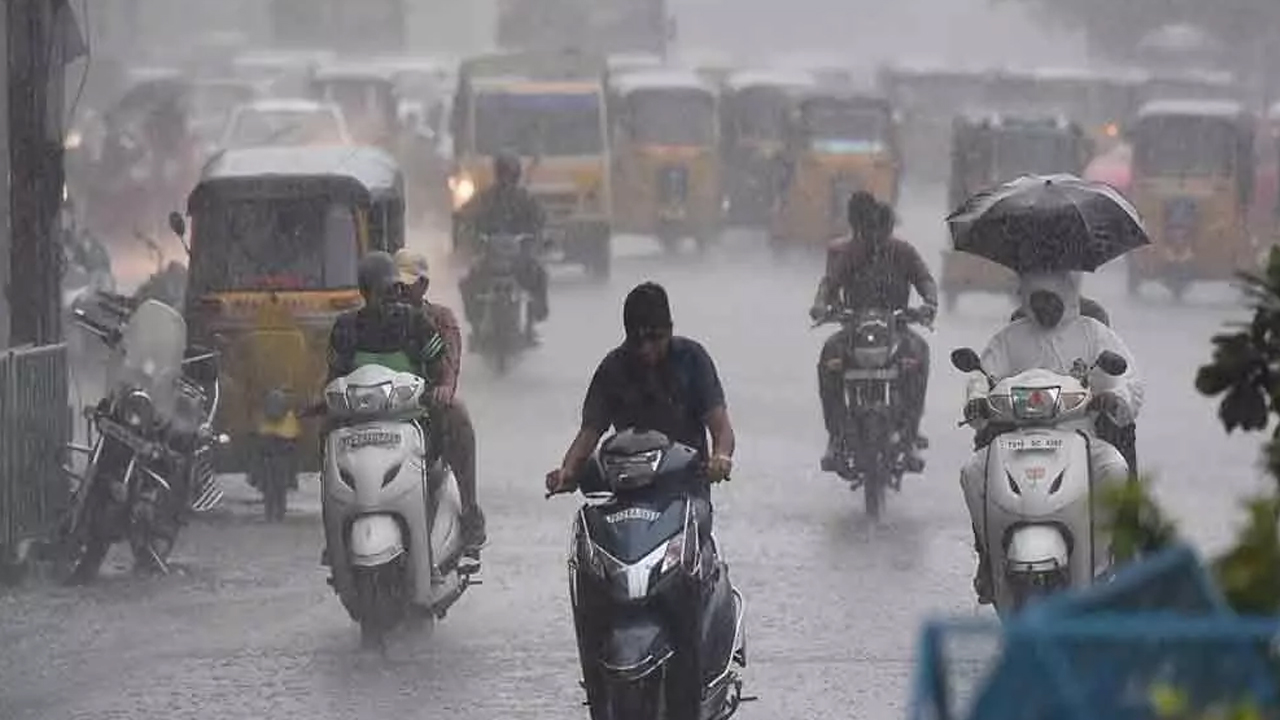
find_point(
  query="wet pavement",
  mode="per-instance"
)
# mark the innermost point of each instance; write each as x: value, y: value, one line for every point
x: 247, y: 627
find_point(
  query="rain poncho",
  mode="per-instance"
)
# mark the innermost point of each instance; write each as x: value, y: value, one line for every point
x: 1025, y: 344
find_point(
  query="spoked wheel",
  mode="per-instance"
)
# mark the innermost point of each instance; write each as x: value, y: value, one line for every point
x: 642, y: 699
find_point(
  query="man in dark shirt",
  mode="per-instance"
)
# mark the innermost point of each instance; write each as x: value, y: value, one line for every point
x: 654, y: 381
x: 506, y: 208
x: 871, y: 268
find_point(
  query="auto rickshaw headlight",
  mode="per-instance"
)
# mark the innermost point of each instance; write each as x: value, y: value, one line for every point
x: 463, y: 188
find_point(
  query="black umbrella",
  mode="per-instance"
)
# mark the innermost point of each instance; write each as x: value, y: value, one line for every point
x: 1045, y: 223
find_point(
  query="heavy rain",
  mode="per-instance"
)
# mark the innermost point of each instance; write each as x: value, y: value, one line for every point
x: 246, y: 471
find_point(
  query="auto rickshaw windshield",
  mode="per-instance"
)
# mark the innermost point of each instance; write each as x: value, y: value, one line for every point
x: 673, y: 117
x: 1186, y: 146
x: 834, y: 128
x: 552, y: 124
x: 274, y: 244
x: 760, y: 113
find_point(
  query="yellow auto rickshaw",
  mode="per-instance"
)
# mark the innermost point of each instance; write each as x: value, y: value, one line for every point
x: 1193, y: 182
x: 754, y: 119
x: 275, y: 236
x: 667, y: 156
x: 835, y: 145
x: 987, y: 151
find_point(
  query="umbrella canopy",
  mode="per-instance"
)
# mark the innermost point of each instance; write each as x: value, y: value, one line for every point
x: 1046, y: 223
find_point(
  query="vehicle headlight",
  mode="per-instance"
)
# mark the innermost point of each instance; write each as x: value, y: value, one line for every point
x: 73, y: 140
x: 403, y: 397
x: 137, y: 410
x: 369, y: 398
x: 463, y: 189
x: 1039, y: 403
x: 628, y: 472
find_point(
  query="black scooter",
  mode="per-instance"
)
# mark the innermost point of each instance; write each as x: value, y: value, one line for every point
x: 652, y: 601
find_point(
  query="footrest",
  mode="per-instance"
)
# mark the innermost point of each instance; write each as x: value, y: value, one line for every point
x: 468, y: 566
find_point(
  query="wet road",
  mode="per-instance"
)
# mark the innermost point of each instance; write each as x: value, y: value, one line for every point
x: 248, y: 629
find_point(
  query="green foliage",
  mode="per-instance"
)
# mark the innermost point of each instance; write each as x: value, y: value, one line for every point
x: 1138, y: 526
x: 1245, y: 371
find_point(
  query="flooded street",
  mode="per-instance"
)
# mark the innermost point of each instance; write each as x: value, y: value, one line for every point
x: 248, y: 628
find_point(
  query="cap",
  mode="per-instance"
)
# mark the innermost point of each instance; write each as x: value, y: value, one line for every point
x: 646, y: 306
x: 411, y: 266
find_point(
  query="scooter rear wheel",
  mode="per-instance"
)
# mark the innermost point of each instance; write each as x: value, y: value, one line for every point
x: 643, y: 699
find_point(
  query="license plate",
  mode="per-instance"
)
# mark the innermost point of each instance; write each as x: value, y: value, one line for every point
x: 888, y: 373
x: 1031, y: 443
x: 371, y: 438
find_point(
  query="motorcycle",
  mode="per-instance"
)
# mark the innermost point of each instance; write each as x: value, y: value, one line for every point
x: 1037, y: 522
x: 873, y: 455
x: 503, y: 302
x: 148, y: 461
x: 652, y: 602
x: 392, y: 512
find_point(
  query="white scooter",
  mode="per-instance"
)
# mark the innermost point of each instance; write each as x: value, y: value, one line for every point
x: 392, y: 510
x: 1037, y: 520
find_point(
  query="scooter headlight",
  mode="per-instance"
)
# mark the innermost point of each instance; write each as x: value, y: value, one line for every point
x: 369, y: 398
x: 1035, y: 403
x: 674, y: 555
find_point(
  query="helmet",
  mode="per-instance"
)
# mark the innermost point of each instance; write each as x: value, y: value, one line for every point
x: 376, y: 275
x: 506, y: 168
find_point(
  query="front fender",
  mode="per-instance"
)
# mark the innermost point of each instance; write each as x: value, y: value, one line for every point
x: 1036, y: 548
x: 375, y: 540
x: 634, y: 647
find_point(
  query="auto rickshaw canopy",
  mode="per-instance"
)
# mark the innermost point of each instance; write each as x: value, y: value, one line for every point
x: 364, y: 175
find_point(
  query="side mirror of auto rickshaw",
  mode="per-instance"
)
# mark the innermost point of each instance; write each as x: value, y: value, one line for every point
x: 1111, y: 363
x: 177, y: 224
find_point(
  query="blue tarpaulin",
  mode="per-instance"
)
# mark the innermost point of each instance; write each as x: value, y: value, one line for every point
x: 1097, y: 654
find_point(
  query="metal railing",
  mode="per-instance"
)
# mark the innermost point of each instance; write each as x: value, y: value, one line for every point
x: 35, y: 425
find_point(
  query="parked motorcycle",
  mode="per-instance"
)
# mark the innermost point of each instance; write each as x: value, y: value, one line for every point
x: 652, y: 602
x: 504, y: 304
x: 873, y: 453
x: 1038, y: 523
x: 392, y: 512
x: 150, y: 438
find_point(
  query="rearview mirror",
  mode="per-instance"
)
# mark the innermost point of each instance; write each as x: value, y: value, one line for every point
x: 177, y: 224
x: 1111, y: 363
x: 966, y: 360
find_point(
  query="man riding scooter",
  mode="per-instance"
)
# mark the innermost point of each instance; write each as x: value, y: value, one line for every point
x: 1054, y: 336
x: 506, y: 208
x: 871, y: 267
x: 459, y: 435
x: 385, y: 331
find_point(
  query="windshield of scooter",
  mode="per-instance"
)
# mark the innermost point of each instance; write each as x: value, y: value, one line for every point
x: 152, y: 346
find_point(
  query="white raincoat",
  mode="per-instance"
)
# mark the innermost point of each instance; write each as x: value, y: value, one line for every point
x: 1024, y: 344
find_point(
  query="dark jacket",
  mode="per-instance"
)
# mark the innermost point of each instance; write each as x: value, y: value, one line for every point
x: 505, y: 210
x: 878, y: 276
x: 391, y: 334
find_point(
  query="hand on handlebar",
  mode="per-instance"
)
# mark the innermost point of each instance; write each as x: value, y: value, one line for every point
x: 559, y: 481
x: 719, y: 467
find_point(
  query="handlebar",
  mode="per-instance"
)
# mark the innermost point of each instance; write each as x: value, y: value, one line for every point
x: 841, y: 315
